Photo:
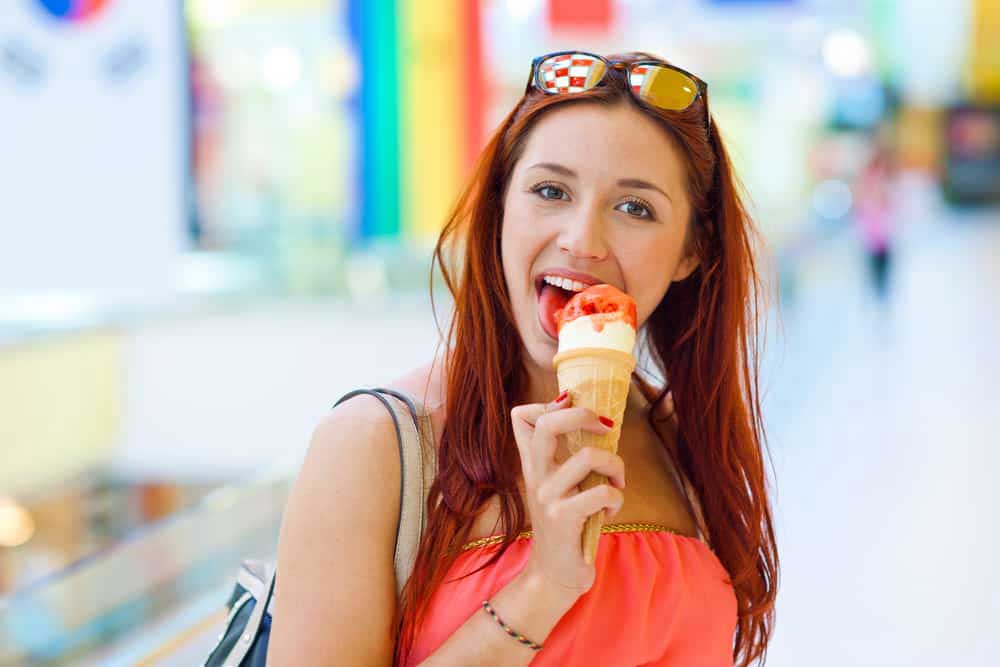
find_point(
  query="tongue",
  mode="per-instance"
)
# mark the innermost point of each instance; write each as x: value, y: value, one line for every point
x: 550, y: 301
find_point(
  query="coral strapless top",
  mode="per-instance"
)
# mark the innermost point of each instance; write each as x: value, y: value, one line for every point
x: 660, y: 599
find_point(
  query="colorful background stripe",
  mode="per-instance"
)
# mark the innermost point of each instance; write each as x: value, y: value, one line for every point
x: 421, y: 109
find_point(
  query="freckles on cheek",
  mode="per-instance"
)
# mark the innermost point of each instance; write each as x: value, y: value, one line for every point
x: 513, y: 246
x: 520, y: 229
x: 516, y: 212
x: 647, y: 274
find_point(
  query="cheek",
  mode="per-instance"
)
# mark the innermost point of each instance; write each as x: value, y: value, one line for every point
x: 648, y: 268
x: 517, y: 217
x: 520, y: 241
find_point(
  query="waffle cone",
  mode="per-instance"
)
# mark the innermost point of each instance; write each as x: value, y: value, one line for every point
x: 597, y: 379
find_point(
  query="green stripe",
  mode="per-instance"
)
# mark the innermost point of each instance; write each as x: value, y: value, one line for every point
x: 381, y: 73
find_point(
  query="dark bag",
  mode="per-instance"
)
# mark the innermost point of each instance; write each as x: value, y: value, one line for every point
x: 243, y: 643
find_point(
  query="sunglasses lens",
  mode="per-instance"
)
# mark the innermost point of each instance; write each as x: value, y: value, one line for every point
x: 663, y: 87
x: 570, y: 73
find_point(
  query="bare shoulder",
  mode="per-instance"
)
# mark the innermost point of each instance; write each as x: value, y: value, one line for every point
x: 427, y: 385
x: 335, y: 550
x: 357, y: 437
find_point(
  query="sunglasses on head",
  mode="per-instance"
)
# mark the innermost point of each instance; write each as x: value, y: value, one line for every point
x: 652, y: 82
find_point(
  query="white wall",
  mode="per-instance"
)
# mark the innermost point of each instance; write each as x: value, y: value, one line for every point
x: 225, y: 394
x: 91, y: 162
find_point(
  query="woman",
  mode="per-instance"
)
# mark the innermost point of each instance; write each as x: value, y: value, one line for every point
x: 874, y: 210
x: 607, y: 171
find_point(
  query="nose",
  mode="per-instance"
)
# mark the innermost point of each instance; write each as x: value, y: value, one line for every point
x: 582, y: 237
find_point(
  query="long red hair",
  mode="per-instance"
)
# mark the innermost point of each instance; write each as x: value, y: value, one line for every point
x: 701, y: 339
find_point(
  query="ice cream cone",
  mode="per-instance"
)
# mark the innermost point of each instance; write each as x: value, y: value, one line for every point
x: 598, y: 379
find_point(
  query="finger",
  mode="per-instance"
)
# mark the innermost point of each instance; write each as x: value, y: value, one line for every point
x: 562, y: 401
x: 524, y: 419
x: 567, y: 476
x: 568, y: 420
x: 577, y: 507
x: 527, y: 415
x: 550, y: 426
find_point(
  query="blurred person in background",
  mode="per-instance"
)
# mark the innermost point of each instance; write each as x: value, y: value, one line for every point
x: 874, y: 209
x: 606, y: 171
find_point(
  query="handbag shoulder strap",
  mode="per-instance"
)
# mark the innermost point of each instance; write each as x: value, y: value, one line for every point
x: 415, y: 442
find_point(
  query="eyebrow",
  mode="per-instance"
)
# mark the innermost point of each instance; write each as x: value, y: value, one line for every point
x: 552, y: 166
x: 624, y: 182
x: 642, y: 185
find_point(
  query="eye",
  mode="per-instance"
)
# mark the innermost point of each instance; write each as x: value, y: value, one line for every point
x: 549, y: 191
x: 636, y: 208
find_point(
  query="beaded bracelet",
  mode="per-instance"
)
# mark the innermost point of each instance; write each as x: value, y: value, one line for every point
x: 510, y: 631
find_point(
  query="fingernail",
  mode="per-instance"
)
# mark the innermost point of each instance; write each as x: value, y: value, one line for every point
x: 562, y: 397
x: 607, y: 422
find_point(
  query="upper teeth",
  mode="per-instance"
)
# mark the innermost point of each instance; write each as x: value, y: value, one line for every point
x: 565, y: 283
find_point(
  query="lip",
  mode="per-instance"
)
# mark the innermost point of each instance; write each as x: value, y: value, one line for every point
x: 584, y: 278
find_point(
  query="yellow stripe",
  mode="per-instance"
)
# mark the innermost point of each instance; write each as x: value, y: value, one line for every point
x: 432, y: 130
x: 984, y: 52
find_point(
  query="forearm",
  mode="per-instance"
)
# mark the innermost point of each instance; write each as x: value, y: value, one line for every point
x: 525, y: 604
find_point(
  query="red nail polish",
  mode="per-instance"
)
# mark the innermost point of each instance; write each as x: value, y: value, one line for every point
x: 607, y: 422
x: 562, y: 397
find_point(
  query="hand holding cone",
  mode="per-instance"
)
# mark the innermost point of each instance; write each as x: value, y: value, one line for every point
x: 594, y: 364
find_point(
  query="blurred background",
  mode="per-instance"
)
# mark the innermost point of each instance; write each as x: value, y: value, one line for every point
x: 216, y: 218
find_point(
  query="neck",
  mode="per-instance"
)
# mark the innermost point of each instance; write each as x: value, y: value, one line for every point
x: 542, y: 385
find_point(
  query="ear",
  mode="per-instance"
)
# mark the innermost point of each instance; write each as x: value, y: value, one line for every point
x: 689, y: 260
x: 686, y: 266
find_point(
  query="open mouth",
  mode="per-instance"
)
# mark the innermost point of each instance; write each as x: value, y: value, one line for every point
x: 553, y: 293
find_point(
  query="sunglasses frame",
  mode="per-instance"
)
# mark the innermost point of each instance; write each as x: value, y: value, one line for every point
x: 627, y: 67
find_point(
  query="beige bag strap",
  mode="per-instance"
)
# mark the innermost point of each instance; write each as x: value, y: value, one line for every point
x: 417, y: 462
x: 417, y: 466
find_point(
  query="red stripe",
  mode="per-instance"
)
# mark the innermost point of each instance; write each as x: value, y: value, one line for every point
x: 594, y: 15
x: 474, y: 81
x: 577, y: 81
x: 562, y: 71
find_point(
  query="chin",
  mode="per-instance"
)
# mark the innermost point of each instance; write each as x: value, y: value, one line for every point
x: 540, y: 349
x: 542, y: 354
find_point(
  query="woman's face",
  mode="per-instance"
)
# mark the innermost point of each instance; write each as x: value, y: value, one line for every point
x: 597, y: 195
